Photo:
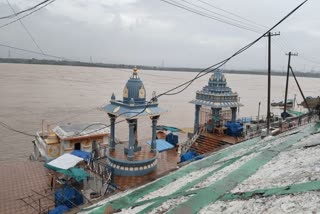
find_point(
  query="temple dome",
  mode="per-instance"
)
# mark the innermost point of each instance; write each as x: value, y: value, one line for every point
x: 134, y: 90
x: 217, y: 76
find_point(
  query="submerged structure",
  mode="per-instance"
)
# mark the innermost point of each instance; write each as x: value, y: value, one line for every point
x: 212, y: 100
x: 133, y: 160
x: 64, y: 139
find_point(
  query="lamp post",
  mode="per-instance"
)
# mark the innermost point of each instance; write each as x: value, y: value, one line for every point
x: 259, y: 113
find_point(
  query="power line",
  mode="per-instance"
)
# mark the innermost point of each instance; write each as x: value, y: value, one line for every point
x: 26, y: 29
x: 221, y: 63
x: 23, y: 11
x: 309, y: 60
x: 254, y: 25
x: 35, y: 52
x: 33, y: 11
x: 231, y: 13
x: 228, y: 18
x: 15, y: 130
x: 171, y: 2
x: 203, y: 72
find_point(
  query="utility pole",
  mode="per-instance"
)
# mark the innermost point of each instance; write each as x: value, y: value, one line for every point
x: 269, y: 35
x: 287, y: 83
x: 301, y: 92
x: 259, y: 114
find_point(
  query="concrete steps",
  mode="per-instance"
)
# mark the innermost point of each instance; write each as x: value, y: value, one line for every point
x: 205, y: 144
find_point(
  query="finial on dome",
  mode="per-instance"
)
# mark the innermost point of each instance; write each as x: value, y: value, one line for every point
x: 113, y: 97
x: 135, y: 71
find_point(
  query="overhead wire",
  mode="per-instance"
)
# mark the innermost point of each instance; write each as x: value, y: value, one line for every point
x: 23, y: 11
x: 28, y: 14
x: 219, y: 14
x: 26, y: 29
x: 120, y: 121
x: 184, y: 7
x: 214, y: 67
x: 254, y: 26
x: 15, y: 130
x: 35, y: 52
x: 221, y: 63
x: 234, y: 14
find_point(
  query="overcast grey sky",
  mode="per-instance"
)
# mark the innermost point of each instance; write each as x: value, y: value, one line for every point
x: 151, y: 32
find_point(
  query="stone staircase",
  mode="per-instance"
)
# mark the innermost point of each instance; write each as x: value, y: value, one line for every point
x: 205, y: 144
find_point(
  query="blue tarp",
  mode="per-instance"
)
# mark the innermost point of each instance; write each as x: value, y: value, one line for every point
x: 234, y: 129
x: 162, y: 145
x: 68, y: 197
x: 168, y: 128
x: 173, y: 139
x: 188, y: 156
x: 59, y: 210
x: 81, y: 154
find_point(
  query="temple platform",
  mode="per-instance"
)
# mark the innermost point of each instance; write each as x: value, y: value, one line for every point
x: 166, y: 162
x: 144, y: 154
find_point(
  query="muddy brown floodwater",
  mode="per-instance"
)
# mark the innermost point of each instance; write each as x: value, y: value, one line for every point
x: 69, y: 94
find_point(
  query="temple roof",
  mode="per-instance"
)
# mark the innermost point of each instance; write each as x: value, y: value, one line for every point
x: 216, y: 94
x: 216, y: 104
x: 78, y: 130
x: 134, y: 102
x: 134, y: 89
x: 118, y: 108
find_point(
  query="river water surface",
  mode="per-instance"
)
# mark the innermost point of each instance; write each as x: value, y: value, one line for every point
x: 69, y: 94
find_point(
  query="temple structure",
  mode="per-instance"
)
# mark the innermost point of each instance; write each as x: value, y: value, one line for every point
x: 134, y: 160
x: 212, y: 100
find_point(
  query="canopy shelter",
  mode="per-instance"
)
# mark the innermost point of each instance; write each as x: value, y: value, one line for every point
x: 216, y: 95
x: 131, y: 107
x: 168, y: 128
x: 81, y: 154
x: 162, y: 145
x: 65, y: 164
x: 120, y: 109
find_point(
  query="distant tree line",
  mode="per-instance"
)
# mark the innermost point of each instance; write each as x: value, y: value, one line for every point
x: 143, y: 67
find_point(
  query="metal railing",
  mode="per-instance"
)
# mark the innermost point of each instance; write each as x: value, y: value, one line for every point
x: 255, y: 129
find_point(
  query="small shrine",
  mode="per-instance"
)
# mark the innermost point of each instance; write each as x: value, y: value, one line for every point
x: 133, y: 160
x: 214, y: 103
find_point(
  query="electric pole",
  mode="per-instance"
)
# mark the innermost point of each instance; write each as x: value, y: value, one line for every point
x: 287, y: 83
x: 258, y: 114
x: 269, y: 35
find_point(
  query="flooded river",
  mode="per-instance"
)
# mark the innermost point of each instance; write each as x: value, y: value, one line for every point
x: 30, y: 94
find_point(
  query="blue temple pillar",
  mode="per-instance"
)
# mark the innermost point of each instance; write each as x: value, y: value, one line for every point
x: 196, y: 118
x: 130, y: 150
x: 215, y: 117
x: 112, y: 132
x: 154, y: 133
x: 234, y: 113
x: 137, y: 148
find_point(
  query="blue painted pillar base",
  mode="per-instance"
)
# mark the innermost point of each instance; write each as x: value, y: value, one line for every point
x: 112, y: 143
x: 130, y: 150
x: 234, y: 113
x: 215, y: 117
x: 154, y: 133
x: 196, y: 118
